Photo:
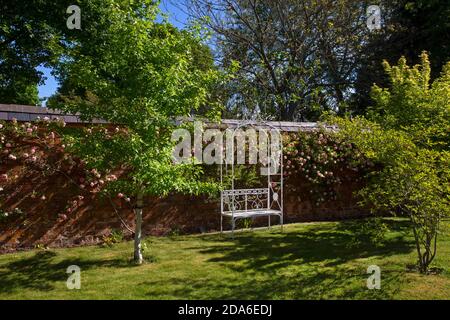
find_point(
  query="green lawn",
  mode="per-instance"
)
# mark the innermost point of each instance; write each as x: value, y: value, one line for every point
x: 307, y: 261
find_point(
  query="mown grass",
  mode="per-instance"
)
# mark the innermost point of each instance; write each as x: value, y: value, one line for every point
x: 307, y: 261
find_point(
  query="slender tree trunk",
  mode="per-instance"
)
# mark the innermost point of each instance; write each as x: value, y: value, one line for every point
x: 138, y: 229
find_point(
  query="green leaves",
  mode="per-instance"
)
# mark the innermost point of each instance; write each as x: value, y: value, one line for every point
x: 407, y: 136
x: 140, y: 77
x: 413, y: 105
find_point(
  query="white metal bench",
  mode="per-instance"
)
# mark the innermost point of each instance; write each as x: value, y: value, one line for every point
x: 250, y: 203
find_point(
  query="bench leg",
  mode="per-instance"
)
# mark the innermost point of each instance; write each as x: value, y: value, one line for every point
x: 281, y: 222
x: 269, y: 222
x: 233, y: 223
x: 221, y: 224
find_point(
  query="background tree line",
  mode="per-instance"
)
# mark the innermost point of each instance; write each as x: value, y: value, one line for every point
x: 293, y: 60
x: 290, y: 59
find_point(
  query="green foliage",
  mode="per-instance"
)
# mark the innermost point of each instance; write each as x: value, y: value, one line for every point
x: 409, y: 27
x: 18, y: 91
x: 408, y: 136
x: 245, y: 223
x: 370, y: 231
x: 413, y: 105
x: 116, y: 236
x: 34, y: 33
x: 142, y: 76
x: 142, y: 87
x: 174, y: 231
x: 25, y: 42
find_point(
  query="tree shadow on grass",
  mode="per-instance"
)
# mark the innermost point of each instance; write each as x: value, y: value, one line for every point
x: 331, y: 245
x: 42, y: 270
x: 339, y: 283
x: 302, y: 264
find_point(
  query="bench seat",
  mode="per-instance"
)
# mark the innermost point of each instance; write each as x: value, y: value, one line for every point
x: 253, y: 213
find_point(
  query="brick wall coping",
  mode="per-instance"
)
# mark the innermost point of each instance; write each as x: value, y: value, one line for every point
x: 25, y: 113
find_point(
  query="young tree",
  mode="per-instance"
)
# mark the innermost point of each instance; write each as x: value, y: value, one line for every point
x: 142, y: 76
x: 407, y: 135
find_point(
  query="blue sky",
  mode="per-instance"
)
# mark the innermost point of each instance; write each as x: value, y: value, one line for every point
x: 177, y: 17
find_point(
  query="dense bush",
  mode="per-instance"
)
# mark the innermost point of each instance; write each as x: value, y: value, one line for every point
x: 407, y: 132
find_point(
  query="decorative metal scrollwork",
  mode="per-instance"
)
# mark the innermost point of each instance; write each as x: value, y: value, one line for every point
x: 249, y: 199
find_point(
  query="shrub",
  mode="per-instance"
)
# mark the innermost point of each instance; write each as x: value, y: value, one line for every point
x: 407, y: 134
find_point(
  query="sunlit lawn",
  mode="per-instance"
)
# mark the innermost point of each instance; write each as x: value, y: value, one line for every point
x: 307, y: 261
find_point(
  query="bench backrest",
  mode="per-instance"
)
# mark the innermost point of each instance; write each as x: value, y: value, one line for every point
x: 244, y: 200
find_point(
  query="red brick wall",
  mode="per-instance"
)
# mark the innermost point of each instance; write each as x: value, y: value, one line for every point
x: 47, y: 222
x: 43, y: 222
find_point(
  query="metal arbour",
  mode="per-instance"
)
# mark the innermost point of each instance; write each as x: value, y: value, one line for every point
x: 262, y: 202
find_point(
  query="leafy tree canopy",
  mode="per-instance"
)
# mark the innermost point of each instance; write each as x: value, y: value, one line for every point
x: 140, y: 77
